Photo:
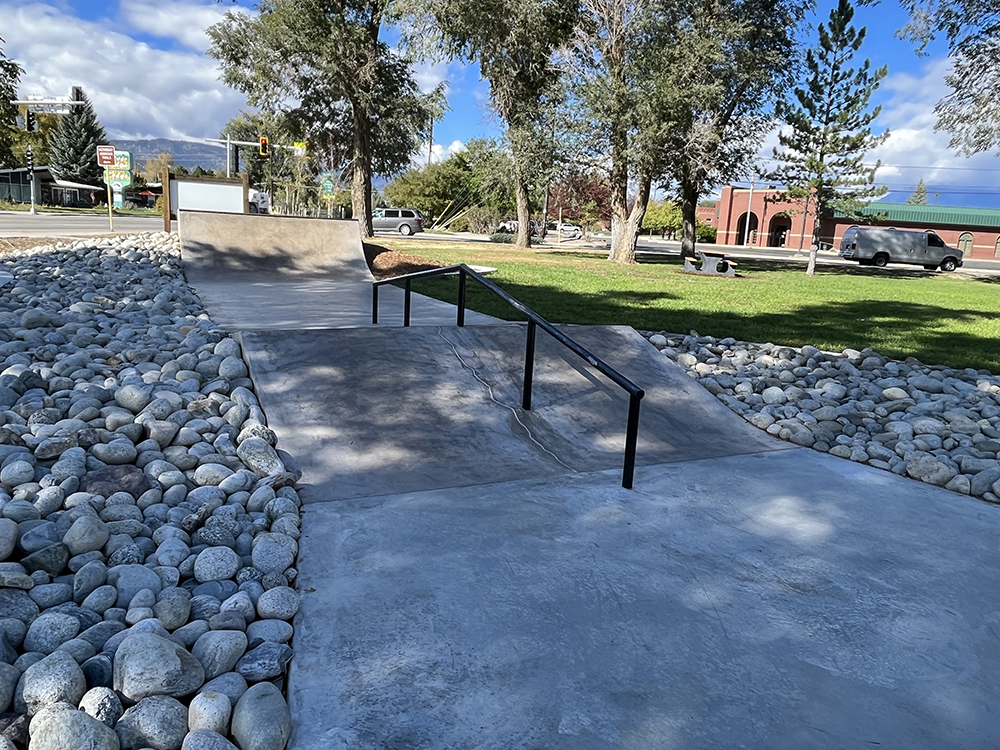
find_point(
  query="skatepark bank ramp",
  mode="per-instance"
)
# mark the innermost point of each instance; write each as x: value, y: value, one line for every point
x: 248, y: 247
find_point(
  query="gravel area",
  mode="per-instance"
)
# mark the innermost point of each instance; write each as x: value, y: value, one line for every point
x: 148, y: 524
x: 935, y: 424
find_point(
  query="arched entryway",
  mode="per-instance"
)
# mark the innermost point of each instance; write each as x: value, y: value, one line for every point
x: 965, y: 243
x: 743, y: 237
x: 778, y: 229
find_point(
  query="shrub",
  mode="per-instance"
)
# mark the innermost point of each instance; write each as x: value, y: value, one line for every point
x: 159, y: 206
x: 705, y: 233
x: 504, y: 237
x: 461, y: 224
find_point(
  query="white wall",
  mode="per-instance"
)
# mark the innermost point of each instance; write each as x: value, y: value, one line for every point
x: 206, y: 196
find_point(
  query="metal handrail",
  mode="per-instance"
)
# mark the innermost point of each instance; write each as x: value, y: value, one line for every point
x: 534, y: 321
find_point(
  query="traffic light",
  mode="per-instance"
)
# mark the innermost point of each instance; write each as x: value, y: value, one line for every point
x: 265, y: 146
x: 29, y: 159
x: 29, y: 121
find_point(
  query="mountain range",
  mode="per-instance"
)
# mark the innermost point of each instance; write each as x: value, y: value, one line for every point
x: 189, y: 154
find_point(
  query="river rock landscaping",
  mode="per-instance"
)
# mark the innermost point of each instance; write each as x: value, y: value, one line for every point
x: 148, y: 524
x: 935, y: 424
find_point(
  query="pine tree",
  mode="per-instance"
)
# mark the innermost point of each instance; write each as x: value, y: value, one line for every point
x: 74, y: 146
x: 919, y: 197
x: 830, y: 127
x: 10, y: 74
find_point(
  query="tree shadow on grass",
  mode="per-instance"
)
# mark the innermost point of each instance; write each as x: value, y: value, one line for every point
x: 931, y: 333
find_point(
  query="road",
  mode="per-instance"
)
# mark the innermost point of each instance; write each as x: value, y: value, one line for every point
x: 21, y: 224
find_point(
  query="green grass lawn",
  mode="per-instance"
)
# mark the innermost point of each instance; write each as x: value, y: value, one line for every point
x: 938, y: 318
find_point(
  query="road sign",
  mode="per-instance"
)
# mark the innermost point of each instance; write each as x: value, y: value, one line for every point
x: 106, y: 156
x: 327, y: 187
x: 123, y: 160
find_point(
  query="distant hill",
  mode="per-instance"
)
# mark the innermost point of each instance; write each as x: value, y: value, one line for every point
x: 188, y: 154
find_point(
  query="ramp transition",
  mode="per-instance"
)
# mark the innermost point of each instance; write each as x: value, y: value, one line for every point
x: 440, y: 407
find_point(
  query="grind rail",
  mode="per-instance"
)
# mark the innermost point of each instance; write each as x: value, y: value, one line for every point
x: 535, y: 321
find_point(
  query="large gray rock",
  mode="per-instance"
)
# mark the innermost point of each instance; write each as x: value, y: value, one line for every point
x: 158, y: 722
x: 8, y: 537
x: 205, y: 739
x: 219, y: 650
x: 146, y: 664
x: 55, y: 679
x: 261, y: 719
x: 265, y: 662
x: 50, y: 631
x: 230, y: 684
x: 87, y: 533
x: 270, y: 556
x: 930, y: 469
x: 103, y: 704
x: 216, y: 564
x: 17, y: 604
x: 63, y: 727
x: 210, y: 710
x: 9, y: 677
x: 129, y: 580
x: 260, y: 457
x: 279, y: 603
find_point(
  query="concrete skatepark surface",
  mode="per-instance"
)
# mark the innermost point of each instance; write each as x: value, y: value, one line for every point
x: 474, y: 577
x: 440, y: 407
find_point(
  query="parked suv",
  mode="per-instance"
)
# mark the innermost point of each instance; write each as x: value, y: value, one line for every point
x: 878, y: 247
x: 406, y: 221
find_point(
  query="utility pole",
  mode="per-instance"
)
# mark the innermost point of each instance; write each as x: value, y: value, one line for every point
x: 746, y: 230
x: 430, y: 143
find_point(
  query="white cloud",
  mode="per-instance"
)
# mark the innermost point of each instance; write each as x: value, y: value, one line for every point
x: 184, y: 21
x: 137, y: 91
x: 439, y: 152
x: 915, y: 150
x: 429, y: 75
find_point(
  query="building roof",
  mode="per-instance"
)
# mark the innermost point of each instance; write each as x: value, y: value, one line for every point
x: 910, y: 213
x: 77, y: 185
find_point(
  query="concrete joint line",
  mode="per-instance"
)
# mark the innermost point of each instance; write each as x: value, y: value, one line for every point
x: 489, y: 390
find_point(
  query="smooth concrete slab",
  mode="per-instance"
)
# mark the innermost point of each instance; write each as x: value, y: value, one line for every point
x: 249, y: 247
x: 379, y: 411
x: 777, y: 600
x: 318, y: 303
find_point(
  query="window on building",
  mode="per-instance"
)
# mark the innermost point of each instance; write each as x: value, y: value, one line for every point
x: 965, y: 242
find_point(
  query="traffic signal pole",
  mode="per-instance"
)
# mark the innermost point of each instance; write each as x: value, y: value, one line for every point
x: 30, y: 158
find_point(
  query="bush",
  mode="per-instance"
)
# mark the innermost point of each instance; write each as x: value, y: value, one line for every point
x: 159, y: 206
x: 482, y: 220
x: 461, y: 224
x: 504, y: 237
x: 705, y: 233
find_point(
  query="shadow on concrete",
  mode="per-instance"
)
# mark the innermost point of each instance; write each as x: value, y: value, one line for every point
x: 438, y: 407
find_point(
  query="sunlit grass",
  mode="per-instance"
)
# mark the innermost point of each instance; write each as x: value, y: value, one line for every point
x: 938, y: 318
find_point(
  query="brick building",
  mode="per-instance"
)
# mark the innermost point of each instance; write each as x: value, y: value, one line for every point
x: 756, y: 217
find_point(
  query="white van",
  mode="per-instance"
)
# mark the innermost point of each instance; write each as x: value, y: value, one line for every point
x: 878, y: 247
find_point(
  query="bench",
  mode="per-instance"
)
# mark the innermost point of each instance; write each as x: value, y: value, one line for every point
x: 712, y: 264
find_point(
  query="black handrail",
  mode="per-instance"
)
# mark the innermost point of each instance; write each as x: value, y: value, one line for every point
x: 534, y: 321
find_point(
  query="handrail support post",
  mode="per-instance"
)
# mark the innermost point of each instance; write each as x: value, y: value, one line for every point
x: 375, y: 304
x: 529, y: 366
x: 631, y: 438
x: 461, y: 297
x: 406, y: 305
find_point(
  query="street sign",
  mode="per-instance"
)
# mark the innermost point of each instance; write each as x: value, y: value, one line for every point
x: 106, y: 156
x: 327, y: 187
x: 122, y: 176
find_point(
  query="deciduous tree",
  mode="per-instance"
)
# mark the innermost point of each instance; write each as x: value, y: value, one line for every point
x: 829, y: 131
x: 10, y: 75
x: 152, y: 169
x: 344, y: 89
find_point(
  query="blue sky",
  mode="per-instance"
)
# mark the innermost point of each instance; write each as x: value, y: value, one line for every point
x: 143, y: 64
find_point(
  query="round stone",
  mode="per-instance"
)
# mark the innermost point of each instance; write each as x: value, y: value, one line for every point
x: 205, y: 739
x: 53, y: 679
x: 103, y: 704
x: 88, y: 533
x: 279, y: 603
x: 219, y: 650
x: 261, y: 719
x: 271, y: 557
x: 62, y: 726
x: 146, y: 664
x: 210, y: 710
x: 49, y: 631
x: 216, y: 564
x: 158, y: 722
x: 278, y: 631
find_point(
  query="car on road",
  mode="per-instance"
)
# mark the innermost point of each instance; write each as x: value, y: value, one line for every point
x: 871, y: 246
x: 406, y: 221
x: 564, y: 230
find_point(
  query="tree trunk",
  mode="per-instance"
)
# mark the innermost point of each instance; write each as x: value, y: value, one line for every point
x: 361, y: 186
x: 620, y: 252
x: 689, y: 215
x: 633, y: 225
x: 523, y: 212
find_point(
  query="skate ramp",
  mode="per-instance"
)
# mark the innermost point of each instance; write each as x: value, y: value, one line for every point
x: 439, y: 407
x: 289, y: 273
x: 218, y: 247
